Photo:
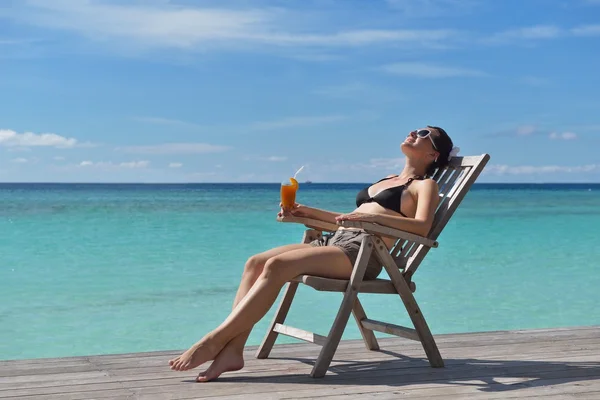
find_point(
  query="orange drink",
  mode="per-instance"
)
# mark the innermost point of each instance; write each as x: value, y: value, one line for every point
x: 288, y: 193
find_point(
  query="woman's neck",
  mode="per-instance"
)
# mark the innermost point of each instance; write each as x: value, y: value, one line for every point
x: 412, y: 169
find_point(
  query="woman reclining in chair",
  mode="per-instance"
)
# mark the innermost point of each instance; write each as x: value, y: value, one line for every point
x: 406, y: 202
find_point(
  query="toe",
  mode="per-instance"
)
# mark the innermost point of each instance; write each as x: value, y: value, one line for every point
x: 205, y: 377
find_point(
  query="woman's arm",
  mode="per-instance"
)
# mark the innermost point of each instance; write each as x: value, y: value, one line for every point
x: 303, y: 211
x: 427, y: 201
x: 322, y: 215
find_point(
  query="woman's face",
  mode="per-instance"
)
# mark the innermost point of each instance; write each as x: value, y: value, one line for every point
x: 415, y: 146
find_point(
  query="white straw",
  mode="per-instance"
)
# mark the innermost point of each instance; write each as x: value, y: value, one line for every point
x: 298, y: 171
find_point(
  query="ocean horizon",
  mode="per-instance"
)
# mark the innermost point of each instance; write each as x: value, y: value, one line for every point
x: 104, y: 268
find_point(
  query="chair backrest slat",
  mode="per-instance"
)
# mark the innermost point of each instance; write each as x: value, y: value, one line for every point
x: 454, y: 181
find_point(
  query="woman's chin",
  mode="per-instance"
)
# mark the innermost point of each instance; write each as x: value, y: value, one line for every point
x: 406, y: 147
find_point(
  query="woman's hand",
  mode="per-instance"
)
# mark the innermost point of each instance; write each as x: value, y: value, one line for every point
x: 298, y: 210
x: 357, y: 216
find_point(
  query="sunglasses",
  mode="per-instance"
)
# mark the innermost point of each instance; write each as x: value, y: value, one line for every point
x: 423, y: 133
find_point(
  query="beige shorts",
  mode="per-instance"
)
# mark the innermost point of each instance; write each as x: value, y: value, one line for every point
x: 349, y: 240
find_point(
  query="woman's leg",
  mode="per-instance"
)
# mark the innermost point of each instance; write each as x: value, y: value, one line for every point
x: 329, y: 262
x: 231, y: 357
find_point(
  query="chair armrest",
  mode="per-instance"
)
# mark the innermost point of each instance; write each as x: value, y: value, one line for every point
x: 311, y: 223
x: 389, y: 232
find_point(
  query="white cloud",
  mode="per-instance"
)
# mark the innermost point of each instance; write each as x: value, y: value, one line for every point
x: 164, y: 25
x: 174, y: 148
x: 166, y: 121
x: 530, y: 130
x: 432, y: 8
x: 10, y: 138
x: 586, y: 30
x: 388, y: 164
x: 423, y: 70
x: 544, y: 169
x: 295, y: 122
x: 276, y: 158
x: 526, y: 33
x: 358, y: 91
x: 540, y: 32
x: 112, y: 165
x: 526, y: 130
x: 134, y: 164
x: 348, y: 90
x: 19, y: 160
x: 535, y: 81
x: 175, y: 165
x: 261, y: 158
x: 58, y: 158
x: 563, y: 136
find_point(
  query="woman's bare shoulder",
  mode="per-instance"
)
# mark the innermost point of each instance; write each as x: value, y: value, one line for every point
x: 428, y: 184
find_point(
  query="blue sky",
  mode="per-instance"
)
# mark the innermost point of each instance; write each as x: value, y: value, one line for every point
x: 248, y: 91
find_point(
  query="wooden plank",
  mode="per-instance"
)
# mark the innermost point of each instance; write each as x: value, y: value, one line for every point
x: 341, y: 318
x: 294, y: 381
x: 411, y: 370
x: 507, y: 388
x: 373, y: 286
x: 444, y: 215
x: 457, y: 355
x: 300, y: 334
x: 155, y: 380
x: 392, y: 329
x: 467, y: 161
x: 414, y: 312
x: 448, y: 187
x: 99, y: 394
x: 276, y: 364
x: 367, y: 334
x: 51, y: 377
x: 279, y: 318
x: 310, y: 223
x: 473, y: 339
x: 447, y: 341
x: 568, y: 355
x: 447, y: 173
x: 381, y: 230
x: 479, y: 345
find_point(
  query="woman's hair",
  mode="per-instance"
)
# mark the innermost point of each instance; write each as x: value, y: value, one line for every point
x: 444, y: 146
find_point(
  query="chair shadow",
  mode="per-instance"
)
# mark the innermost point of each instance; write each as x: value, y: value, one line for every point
x: 406, y: 371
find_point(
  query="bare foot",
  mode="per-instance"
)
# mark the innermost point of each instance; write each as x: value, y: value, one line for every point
x: 195, y: 356
x: 229, y: 359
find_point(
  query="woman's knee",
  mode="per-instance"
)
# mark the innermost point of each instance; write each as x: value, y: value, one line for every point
x: 273, y: 268
x: 255, y: 264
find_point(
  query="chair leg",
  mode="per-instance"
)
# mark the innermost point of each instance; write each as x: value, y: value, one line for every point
x: 267, y: 344
x: 367, y: 334
x: 416, y: 316
x: 350, y: 296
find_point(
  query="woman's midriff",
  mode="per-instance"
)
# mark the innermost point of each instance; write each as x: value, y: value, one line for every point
x: 374, y: 208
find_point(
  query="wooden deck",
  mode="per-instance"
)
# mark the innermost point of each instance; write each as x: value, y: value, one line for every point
x: 549, y: 364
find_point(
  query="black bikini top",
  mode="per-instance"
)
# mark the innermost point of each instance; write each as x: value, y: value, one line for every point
x: 388, y: 198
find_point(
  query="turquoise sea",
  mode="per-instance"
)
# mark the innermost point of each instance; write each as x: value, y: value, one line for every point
x: 106, y: 268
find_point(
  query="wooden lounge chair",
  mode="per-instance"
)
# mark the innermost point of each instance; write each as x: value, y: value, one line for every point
x: 400, y: 262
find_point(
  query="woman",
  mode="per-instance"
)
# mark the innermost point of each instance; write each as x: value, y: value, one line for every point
x: 406, y: 201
